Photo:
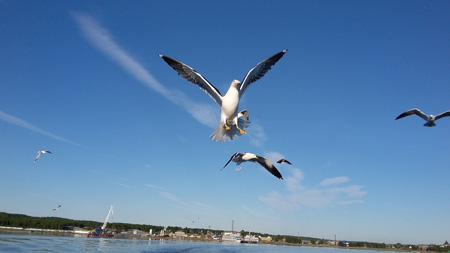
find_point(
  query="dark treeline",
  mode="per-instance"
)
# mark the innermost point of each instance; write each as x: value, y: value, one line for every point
x: 366, y: 244
x: 24, y: 221
x: 438, y: 248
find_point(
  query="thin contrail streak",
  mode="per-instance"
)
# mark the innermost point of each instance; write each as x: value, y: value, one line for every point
x: 100, y: 39
x: 22, y: 123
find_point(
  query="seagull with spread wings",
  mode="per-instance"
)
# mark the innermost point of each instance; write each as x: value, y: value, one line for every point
x: 192, y: 220
x: 429, y: 118
x: 232, y: 123
x: 239, y: 158
x: 283, y: 160
x: 41, y: 152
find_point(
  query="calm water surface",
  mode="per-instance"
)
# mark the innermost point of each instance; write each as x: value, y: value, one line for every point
x: 23, y: 242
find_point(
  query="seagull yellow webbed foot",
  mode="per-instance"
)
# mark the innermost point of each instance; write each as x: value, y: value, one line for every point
x: 227, y: 127
x: 242, y: 131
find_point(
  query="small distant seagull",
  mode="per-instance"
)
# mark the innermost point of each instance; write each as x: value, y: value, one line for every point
x: 41, y: 152
x: 56, y: 208
x: 193, y: 220
x: 429, y: 118
x: 231, y: 125
x: 283, y: 160
x: 239, y: 158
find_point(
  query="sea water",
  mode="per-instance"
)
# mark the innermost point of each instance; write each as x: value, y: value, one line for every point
x: 35, y: 242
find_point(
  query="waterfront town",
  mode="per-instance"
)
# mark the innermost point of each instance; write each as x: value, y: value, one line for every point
x: 177, y: 233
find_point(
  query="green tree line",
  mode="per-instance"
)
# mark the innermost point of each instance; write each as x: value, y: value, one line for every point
x: 438, y: 248
x: 24, y: 221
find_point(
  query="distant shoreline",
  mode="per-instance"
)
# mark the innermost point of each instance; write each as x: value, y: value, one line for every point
x: 128, y: 236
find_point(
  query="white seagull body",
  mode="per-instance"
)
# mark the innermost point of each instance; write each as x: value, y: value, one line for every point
x: 41, y: 152
x: 56, y: 208
x: 239, y: 158
x: 231, y: 123
x: 429, y: 118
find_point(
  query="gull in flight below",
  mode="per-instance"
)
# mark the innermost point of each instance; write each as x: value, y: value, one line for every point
x: 284, y: 160
x: 429, y: 118
x: 56, y: 208
x: 193, y: 220
x: 232, y: 123
x: 239, y: 158
x: 41, y: 152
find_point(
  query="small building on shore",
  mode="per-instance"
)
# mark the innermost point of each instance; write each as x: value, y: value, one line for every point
x: 265, y: 238
x: 180, y: 234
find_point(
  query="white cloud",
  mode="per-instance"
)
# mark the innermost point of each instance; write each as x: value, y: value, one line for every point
x: 273, y: 156
x: 351, y: 191
x: 293, y: 183
x: 152, y: 186
x: 257, y: 135
x: 327, y: 195
x: 100, y: 39
x: 333, y: 181
x: 256, y: 213
x: 172, y: 198
x: 277, y: 201
x: 125, y: 186
x: 327, y: 164
x: 22, y: 123
x: 349, y: 202
x: 196, y: 207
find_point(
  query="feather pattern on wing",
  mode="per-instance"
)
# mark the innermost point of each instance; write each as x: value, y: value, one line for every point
x: 414, y: 111
x: 259, y: 71
x: 441, y: 115
x: 194, y: 77
x: 269, y: 166
x: 237, y: 154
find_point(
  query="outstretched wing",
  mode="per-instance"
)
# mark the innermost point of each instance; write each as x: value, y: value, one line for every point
x: 259, y: 71
x: 244, y: 115
x: 37, y: 156
x: 232, y: 157
x: 283, y: 160
x: 413, y: 111
x: 444, y: 114
x: 194, y: 77
x: 269, y: 166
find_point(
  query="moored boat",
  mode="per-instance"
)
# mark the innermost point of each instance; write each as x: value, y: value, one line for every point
x: 233, y: 237
x: 250, y: 239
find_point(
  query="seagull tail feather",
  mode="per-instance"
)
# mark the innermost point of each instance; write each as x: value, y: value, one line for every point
x: 222, y: 135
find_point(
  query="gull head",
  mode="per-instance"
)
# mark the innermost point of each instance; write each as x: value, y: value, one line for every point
x: 235, y: 83
x: 430, y: 121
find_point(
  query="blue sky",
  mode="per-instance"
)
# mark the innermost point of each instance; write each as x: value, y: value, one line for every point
x: 83, y: 79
